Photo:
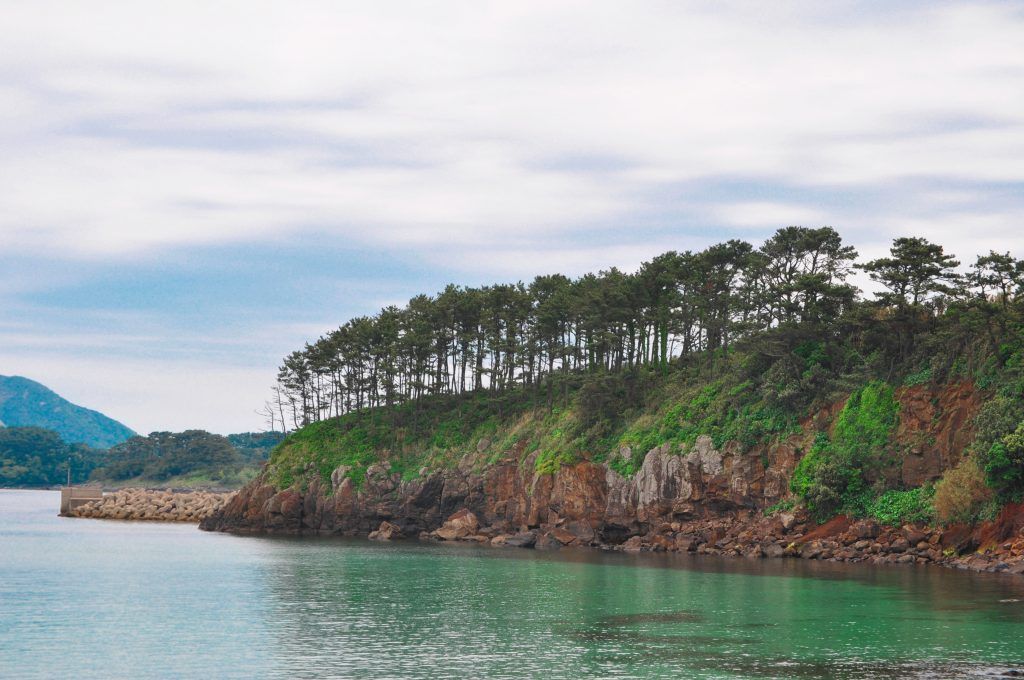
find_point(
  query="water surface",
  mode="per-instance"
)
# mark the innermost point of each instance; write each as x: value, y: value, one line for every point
x: 97, y: 598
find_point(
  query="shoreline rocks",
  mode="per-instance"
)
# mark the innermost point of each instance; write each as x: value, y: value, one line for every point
x: 698, y: 497
x: 787, y: 535
x: 588, y: 505
x: 386, y: 532
x: 153, y: 505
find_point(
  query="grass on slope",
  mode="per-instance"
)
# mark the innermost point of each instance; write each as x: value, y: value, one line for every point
x: 584, y: 417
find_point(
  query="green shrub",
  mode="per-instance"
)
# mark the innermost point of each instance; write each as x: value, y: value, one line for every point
x: 962, y: 494
x: 866, y: 423
x: 921, y: 377
x: 784, y: 505
x: 550, y: 462
x: 997, y: 418
x: 806, y: 469
x: 720, y: 412
x: 812, y: 352
x: 1004, y: 465
x: 896, y: 508
x: 831, y: 478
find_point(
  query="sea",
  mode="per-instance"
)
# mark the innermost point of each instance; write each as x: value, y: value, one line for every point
x: 83, y: 598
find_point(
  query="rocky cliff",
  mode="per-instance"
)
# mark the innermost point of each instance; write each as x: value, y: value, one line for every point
x: 696, y: 498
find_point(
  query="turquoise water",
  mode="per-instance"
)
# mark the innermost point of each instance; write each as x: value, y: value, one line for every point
x: 95, y: 598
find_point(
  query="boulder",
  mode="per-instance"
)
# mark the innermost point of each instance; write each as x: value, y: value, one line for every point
x: 958, y: 538
x: 688, y: 542
x: 459, y: 525
x: 866, y: 529
x: 811, y: 550
x: 913, y: 535
x: 634, y: 544
x: 386, y: 532
x: 526, y: 539
x: 661, y: 543
x: 547, y: 541
x: 563, y: 536
x: 900, y: 544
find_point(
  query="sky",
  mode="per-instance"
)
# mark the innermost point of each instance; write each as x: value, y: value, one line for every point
x: 191, y: 190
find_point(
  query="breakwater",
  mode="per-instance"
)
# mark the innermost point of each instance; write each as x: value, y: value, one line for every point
x: 153, y: 505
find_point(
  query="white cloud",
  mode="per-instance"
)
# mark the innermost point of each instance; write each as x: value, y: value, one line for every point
x: 500, y: 140
x: 128, y: 128
x: 766, y: 215
x: 511, y: 263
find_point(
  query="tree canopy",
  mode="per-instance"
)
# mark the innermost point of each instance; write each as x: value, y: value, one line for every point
x: 32, y: 456
x: 786, y: 297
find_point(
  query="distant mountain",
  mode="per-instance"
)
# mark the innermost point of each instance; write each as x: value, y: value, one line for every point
x: 25, y: 403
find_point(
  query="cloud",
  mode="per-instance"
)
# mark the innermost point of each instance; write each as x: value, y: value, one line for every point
x: 193, y: 189
x: 765, y: 215
x: 472, y: 124
x: 153, y: 394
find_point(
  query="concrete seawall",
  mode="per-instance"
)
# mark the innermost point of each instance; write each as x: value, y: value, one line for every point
x: 152, y: 505
x: 72, y: 497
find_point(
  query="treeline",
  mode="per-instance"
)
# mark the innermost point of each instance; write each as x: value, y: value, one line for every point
x: 33, y: 456
x: 677, y: 307
x: 163, y: 455
x: 193, y: 456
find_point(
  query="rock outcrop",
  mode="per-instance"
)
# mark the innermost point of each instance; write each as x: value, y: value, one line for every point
x: 510, y: 504
x: 701, y: 498
x: 386, y: 532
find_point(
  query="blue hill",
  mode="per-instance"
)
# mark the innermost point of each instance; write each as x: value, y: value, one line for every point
x: 25, y: 402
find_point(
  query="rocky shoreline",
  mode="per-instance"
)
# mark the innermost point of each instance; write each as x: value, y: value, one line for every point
x: 701, y: 503
x: 787, y: 535
x: 697, y: 498
x: 153, y: 505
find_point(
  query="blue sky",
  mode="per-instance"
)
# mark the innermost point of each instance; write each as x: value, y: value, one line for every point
x: 191, y: 191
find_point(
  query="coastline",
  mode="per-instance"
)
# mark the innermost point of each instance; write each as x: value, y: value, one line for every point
x: 841, y: 540
x: 588, y: 505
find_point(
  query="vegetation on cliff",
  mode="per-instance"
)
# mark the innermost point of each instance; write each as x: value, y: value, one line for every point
x: 739, y: 343
x: 835, y: 475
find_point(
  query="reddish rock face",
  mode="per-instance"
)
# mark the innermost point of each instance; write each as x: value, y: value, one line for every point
x: 833, y: 527
x: 1008, y: 524
x: 582, y: 501
x: 935, y: 428
x: 682, y: 498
